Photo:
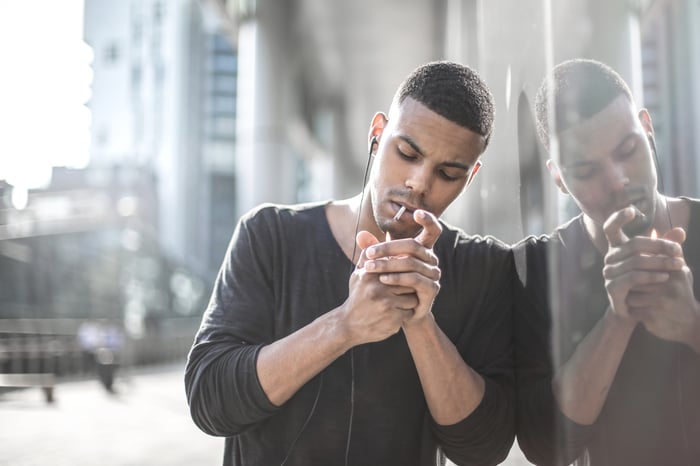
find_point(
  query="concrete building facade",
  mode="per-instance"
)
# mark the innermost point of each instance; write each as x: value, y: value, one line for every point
x: 310, y: 114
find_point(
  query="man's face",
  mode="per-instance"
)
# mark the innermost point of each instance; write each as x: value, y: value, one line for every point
x: 606, y: 164
x: 423, y: 161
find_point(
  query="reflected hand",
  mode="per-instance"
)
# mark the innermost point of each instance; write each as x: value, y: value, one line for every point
x: 669, y: 310
x: 635, y: 263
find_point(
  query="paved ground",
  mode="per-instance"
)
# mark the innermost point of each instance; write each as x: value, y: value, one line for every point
x: 146, y: 423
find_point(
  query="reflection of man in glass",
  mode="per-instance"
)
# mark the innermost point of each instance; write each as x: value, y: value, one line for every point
x: 315, y: 352
x: 608, y: 326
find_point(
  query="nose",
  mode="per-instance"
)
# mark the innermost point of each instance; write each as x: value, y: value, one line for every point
x: 419, y: 180
x: 617, y: 177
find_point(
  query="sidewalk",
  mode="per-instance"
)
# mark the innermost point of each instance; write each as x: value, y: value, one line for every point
x: 146, y: 423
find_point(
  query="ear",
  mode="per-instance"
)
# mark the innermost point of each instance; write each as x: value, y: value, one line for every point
x: 556, y: 176
x: 376, y: 128
x: 475, y: 170
x: 645, y: 119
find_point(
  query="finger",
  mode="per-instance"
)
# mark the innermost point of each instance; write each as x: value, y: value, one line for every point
x: 403, y: 264
x: 364, y: 239
x: 406, y: 301
x: 431, y: 227
x: 643, y: 245
x: 613, y: 226
x: 654, y: 263
x: 400, y: 290
x: 677, y: 235
x: 402, y: 247
x: 421, y: 284
x: 636, y: 278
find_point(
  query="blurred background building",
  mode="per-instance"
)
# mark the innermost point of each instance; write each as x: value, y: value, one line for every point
x: 202, y: 109
x: 164, y: 103
x: 311, y: 74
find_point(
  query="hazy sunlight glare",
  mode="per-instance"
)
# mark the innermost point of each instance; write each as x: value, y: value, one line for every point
x: 46, y: 85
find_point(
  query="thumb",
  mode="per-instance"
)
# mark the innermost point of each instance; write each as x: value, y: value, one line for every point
x: 364, y: 239
x: 613, y: 226
x: 676, y: 234
x: 431, y: 228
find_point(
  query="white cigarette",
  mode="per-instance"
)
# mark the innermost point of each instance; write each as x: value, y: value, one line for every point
x: 399, y: 213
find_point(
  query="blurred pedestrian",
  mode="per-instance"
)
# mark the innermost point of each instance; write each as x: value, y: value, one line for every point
x: 102, y: 344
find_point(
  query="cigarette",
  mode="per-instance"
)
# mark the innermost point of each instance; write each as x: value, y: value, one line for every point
x: 399, y: 213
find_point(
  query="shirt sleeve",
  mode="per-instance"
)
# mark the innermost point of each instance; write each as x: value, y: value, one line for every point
x: 221, y: 380
x: 545, y: 435
x: 486, y: 435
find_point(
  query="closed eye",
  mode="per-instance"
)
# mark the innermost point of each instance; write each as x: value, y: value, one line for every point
x: 627, y: 151
x: 406, y: 156
x: 448, y: 177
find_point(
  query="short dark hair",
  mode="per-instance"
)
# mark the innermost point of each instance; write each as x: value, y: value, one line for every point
x: 580, y: 89
x: 453, y: 91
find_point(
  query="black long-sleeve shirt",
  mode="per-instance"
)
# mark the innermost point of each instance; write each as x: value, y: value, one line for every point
x: 284, y: 269
x: 652, y: 412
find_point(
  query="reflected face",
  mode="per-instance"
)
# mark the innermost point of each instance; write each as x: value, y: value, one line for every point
x: 423, y: 161
x: 607, y: 164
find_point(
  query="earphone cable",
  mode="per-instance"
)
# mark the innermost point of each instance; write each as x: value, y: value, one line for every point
x: 352, y: 352
x: 352, y: 359
x: 306, y: 422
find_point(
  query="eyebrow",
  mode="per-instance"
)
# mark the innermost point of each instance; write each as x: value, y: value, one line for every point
x: 580, y: 163
x: 414, y: 145
x: 409, y: 140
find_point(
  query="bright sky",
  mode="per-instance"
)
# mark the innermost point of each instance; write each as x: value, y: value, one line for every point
x: 44, y: 86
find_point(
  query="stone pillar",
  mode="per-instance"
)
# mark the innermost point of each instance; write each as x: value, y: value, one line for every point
x: 263, y: 161
x: 616, y: 40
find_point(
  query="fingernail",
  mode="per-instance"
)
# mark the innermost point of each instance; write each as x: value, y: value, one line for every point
x: 371, y: 265
x: 371, y: 252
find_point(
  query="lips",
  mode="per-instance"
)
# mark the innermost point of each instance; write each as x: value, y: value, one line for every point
x: 401, y: 209
x: 409, y: 207
x: 641, y: 204
x: 636, y: 196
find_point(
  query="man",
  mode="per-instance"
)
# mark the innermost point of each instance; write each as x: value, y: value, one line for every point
x: 608, y: 323
x: 322, y: 346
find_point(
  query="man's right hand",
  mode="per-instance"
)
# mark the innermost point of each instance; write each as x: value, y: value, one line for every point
x: 374, y: 311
